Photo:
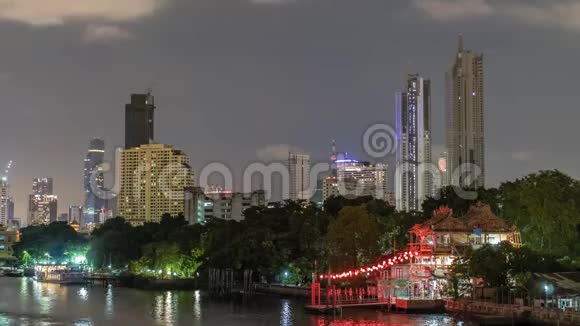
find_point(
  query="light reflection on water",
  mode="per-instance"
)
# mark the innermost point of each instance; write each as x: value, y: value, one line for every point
x: 27, y: 302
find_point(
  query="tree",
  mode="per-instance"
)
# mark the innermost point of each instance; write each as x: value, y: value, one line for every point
x: 56, y: 242
x: 353, y: 238
x: 452, y: 198
x: 545, y: 207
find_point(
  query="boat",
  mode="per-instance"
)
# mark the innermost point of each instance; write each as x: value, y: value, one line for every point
x: 61, y: 274
x: 14, y: 273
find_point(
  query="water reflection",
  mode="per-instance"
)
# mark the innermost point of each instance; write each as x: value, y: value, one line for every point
x: 286, y: 314
x: 109, y: 301
x: 27, y: 302
x: 165, y: 308
x: 83, y: 294
x: 197, y: 305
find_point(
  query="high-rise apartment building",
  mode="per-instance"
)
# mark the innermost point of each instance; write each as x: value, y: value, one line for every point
x: 299, y: 170
x: 413, y: 175
x: 465, y: 118
x: 329, y: 188
x: 139, y: 120
x: 153, y: 179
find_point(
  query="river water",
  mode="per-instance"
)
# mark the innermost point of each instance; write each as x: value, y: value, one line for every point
x: 24, y: 301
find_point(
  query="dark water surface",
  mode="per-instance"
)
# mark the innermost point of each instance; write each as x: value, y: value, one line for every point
x: 27, y: 302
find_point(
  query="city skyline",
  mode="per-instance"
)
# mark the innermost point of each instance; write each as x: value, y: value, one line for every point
x: 332, y: 89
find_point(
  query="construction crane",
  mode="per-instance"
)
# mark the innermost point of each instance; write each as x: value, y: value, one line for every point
x: 5, y: 175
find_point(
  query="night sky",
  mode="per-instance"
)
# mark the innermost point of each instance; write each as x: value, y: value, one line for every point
x: 238, y: 80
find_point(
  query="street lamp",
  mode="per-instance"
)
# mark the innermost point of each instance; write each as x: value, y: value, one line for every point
x: 546, y: 291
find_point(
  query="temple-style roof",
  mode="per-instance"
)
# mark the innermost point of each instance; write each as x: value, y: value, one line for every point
x: 480, y: 216
x: 443, y: 219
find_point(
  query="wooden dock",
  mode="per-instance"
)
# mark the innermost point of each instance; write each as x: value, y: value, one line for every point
x: 398, y: 304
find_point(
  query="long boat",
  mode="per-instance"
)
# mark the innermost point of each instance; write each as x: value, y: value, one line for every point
x: 61, y: 274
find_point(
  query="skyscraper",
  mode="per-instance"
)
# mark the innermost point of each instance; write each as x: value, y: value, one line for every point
x: 139, y: 120
x: 465, y: 118
x: 299, y: 170
x: 413, y: 176
x: 93, y: 204
x: 153, y: 179
x: 4, y: 202
x: 42, y: 204
x: 42, y: 186
x: 75, y: 213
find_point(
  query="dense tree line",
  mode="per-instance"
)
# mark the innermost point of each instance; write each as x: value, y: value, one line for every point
x: 291, y: 240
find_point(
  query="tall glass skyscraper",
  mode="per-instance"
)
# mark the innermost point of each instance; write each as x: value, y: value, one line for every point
x: 465, y: 118
x: 93, y: 179
x: 413, y: 177
x: 139, y: 120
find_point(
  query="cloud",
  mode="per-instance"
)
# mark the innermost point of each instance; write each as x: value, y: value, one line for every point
x: 557, y: 13
x: 57, y: 12
x: 271, y: 2
x: 279, y: 152
x: 553, y: 13
x: 445, y: 10
x: 105, y: 34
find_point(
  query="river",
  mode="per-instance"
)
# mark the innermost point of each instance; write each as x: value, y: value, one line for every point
x: 24, y: 301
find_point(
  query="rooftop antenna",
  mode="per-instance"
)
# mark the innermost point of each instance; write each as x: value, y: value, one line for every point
x: 460, y: 43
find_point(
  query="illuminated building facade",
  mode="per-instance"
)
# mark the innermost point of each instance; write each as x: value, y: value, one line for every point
x: 5, y: 202
x: 153, y: 179
x: 7, y: 239
x: 329, y: 188
x: 413, y: 176
x: 355, y: 179
x: 299, y: 170
x: 465, y: 117
x: 42, y: 204
x: 215, y: 203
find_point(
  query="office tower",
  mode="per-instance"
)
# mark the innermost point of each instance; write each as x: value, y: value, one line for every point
x: 93, y: 180
x: 42, y: 204
x: 139, y: 120
x: 153, y: 179
x: 75, y: 213
x: 214, y: 203
x: 4, y: 202
x: 357, y: 179
x: 42, y: 209
x: 413, y: 176
x: 299, y: 170
x: 329, y: 188
x: 42, y: 186
x: 465, y: 118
